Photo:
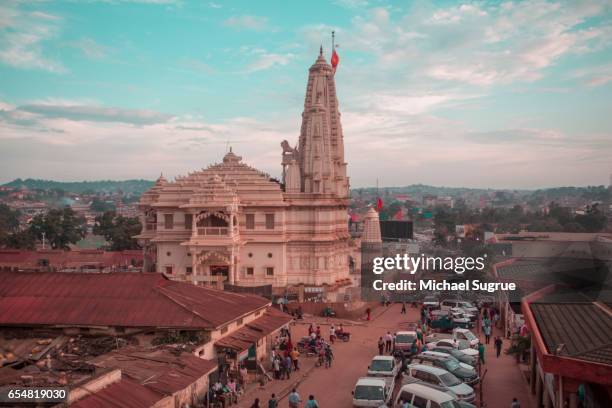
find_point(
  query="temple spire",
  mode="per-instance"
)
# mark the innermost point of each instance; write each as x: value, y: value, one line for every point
x: 321, y: 147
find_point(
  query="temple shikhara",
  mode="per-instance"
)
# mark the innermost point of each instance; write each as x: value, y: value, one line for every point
x: 234, y: 223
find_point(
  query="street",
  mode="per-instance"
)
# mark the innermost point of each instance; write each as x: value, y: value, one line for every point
x: 332, y: 387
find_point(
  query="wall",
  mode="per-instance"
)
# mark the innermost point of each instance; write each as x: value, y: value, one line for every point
x: 354, y: 310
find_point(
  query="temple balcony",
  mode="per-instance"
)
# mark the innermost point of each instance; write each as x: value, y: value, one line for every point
x: 213, y: 231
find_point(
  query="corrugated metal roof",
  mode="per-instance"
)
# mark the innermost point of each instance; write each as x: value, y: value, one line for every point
x: 243, y: 338
x: 158, y: 370
x: 122, y: 394
x: 582, y: 328
x: 116, y: 299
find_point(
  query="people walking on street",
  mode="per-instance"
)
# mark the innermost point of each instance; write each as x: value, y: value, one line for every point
x: 294, y: 357
x: 332, y: 334
x: 388, y: 342
x: 312, y: 402
x: 481, y: 353
x: 487, y: 333
x: 515, y: 403
x: 255, y: 403
x: 273, y: 402
x: 381, y: 346
x: 276, y: 366
x: 294, y: 399
x: 403, y: 307
x: 498, y: 345
x: 368, y: 314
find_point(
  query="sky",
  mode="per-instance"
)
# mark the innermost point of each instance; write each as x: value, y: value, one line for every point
x: 475, y: 94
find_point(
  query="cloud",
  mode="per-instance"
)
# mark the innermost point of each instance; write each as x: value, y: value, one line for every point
x: 247, y: 22
x: 266, y: 60
x: 22, y: 35
x: 90, y: 48
x: 594, y: 75
x: 94, y: 113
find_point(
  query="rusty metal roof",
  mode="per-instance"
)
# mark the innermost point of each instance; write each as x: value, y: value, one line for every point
x: 122, y: 394
x: 579, y: 330
x: 117, y: 299
x: 244, y: 337
x: 159, y: 370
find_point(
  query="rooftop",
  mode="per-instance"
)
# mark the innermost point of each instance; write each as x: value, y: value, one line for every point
x: 577, y: 330
x: 66, y: 259
x: 159, y: 370
x: 117, y: 299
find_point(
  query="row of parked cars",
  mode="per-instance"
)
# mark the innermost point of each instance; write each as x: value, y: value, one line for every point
x: 441, y: 377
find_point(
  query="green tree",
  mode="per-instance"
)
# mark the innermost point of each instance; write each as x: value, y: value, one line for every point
x: 118, y: 230
x: 61, y: 227
x: 9, y: 223
x: 101, y: 206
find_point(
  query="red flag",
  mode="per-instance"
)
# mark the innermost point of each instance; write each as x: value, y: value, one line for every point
x: 399, y: 215
x: 335, y: 60
x: 379, y: 204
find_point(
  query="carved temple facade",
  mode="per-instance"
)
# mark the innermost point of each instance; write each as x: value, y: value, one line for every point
x: 234, y: 223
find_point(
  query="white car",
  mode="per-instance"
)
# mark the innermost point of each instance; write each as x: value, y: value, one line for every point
x: 462, y: 346
x: 431, y: 302
x: 373, y: 392
x: 465, y: 334
x: 421, y: 395
x: 403, y: 341
x: 440, y: 377
x: 384, y: 366
x: 451, y: 303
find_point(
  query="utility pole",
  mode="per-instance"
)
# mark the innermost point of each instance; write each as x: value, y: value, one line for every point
x: 43, y: 239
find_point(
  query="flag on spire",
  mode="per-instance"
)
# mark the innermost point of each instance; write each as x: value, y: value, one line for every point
x: 379, y: 204
x: 335, y: 60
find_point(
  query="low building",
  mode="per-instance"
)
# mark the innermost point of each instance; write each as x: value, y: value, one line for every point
x: 146, y: 305
x: 71, y: 261
x: 571, y: 349
x: 149, y: 378
x: 102, y: 335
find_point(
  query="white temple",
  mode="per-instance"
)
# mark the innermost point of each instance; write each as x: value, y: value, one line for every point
x: 234, y: 223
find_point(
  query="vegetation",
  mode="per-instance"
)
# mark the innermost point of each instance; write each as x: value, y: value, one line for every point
x: 118, y: 230
x: 101, y: 206
x: 103, y: 186
x: 9, y: 223
x: 60, y: 228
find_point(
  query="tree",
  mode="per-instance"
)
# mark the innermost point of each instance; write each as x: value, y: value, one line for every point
x: 118, y: 230
x: 9, y: 223
x: 61, y: 227
x: 101, y: 206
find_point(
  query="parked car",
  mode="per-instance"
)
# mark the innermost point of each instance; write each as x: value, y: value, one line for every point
x: 465, y: 334
x: 410, y: 380
x: 403, y: 342
x: 458, y: 334
x: 441, y: 377
x: 373, y: 392
x: 431, y: 302
x: 465, y: 314
x: 420, y: 395
x: 448, y: 304
x: 384, y: 366
x: 464, y: 372
x: 461, y: 345
x: 458, y: 354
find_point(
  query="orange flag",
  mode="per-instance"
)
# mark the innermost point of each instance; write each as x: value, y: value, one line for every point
x: 335, y: 60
